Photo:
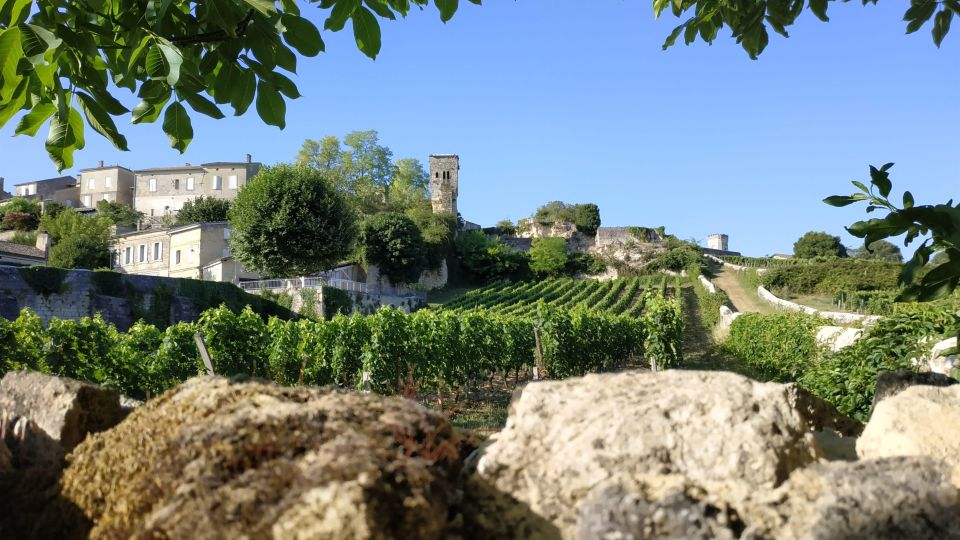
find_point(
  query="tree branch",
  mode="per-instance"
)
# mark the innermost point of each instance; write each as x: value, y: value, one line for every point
x: 218, y: 35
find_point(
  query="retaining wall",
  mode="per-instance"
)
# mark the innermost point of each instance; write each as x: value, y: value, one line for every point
x: 835, y: 316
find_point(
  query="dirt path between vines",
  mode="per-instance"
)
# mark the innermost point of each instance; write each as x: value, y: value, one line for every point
x: 743, y: 301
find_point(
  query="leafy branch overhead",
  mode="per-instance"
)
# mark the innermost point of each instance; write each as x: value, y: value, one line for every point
x: 748, y: 20
x: 62, y: 62
x: 941, y: 222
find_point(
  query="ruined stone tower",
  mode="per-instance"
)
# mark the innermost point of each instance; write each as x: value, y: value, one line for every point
x: 718, y: 242
x: 444, y: 179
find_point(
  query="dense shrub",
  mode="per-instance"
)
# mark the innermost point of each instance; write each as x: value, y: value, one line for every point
x: 709, y: 304
x: 119, y: 213
x: 393, y: 242
x: 833, y: 276
x: 19, y: 221
x: 779, y: 347
x: 548, y: 256
x: 22, y: 204
x: 818, y: 244
x: 586, y: 217
x: 203, y: 210
x: 486, y: 258
x: 24, y: 238
x: 80, y: 252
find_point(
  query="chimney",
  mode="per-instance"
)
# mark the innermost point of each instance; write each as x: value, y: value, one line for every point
x: 101, y: 164
x: 249, y: 158
x: 43, y: 242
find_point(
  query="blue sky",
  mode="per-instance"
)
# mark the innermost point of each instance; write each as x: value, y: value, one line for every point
x: 580, y: 104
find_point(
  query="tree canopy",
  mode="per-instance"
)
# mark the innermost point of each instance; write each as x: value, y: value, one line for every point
x: 548, y: 256
x: 77, y: 241
x: 118, y: 213
x: 291, y: 221
x: 65, y: 62
x: 880, y: 250
x: 818, y: 244
x: 393, y: 243
x: 203, y: 210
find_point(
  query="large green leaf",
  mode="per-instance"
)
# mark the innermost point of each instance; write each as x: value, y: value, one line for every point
x: 32, y: 121
x: 265, y: 7
x: 176, y: 124
x: 366, y: 30
x: 10, y: 53
x: 242, y: 94
x: 302, y: 35
x: 100, y: 121
x: 447, y: 9
x: 203, y: 105
x: 61, y: 141
x: 36, y: 41
x: 270, y: 105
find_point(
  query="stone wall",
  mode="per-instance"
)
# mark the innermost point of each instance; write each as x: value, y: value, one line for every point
x: 121, y: 299
x: 835, y: 316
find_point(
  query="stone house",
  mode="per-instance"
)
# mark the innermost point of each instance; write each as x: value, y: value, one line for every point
x: 197, y: 251
x: 112, y: 183
x: 62, y: 189
x: 163, y: 191
x: 12, y: 254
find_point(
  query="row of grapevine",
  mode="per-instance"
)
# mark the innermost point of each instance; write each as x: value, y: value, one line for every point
x: 620, y: 296
x: 435, y: 351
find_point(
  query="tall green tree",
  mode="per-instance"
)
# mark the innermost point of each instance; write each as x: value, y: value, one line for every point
x: 78, y: 241
x: 548, y: 256
x: 118, y: 213
x: 291, y: 221
x: 203, y: 210
x: 393, y: 243
x: 880, y: 250
x: 818, y: 244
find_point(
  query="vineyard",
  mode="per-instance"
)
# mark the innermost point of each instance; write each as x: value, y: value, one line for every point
x: 617, y: 297
x: 439, y: 352
x: 763, y: 262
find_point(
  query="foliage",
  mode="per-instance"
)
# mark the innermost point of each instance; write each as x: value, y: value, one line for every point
x: 778, y: 347
x: 25, y: 238
x: 63, y: 59
x: 766, y: 262
x: 80, y: 252
x: 336, y: 301
x: 664, y: 321
x: 833, y: 276
x: 19, y: 221
x: 118, y: 213
x: 365, y: 174
x: 748, y: 19
x: 44, y: 280
x: 586, y: 217
x: 709, y: 303
x: 393, y: 242
x: 53, y: 208
x: 880, y: 250
x: 22, y: 204
x: 584, y: 263
x: 437, y: 230
x: 237, y: 342
x: 646, y: 234
x: 506, y: 227
x: 548, y: 256
x: 486, y: 258
x: 818, y: 244
x: 290, y: 221
x: 678, y: 257
x: 69, y: 223
x: 941, y: 222
x: 203, y: 210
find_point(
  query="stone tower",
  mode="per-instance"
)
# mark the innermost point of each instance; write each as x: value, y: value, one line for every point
x: 444, y: 180
x: 718, y: 242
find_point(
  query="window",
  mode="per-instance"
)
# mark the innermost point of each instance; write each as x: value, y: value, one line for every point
x: 176, y: 184
x: 217, y: 182
x: 87, y: 201
x: 106, y: 196
x: 436, y: 175
x: 108, y: 182
x: 190, y: 184
x: 128, y: 255
x: 176, y: 257
x: 153, y: 184
x: 143, y: 253
x: 92, y: 183
x: 157, y: 251
x: 232, y: 181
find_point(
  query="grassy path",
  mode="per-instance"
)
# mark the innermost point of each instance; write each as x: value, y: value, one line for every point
x: 743, y: 299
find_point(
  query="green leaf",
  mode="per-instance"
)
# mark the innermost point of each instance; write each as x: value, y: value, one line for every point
x: 36, y: 41
x: 203, y: 105
x: 381, y: 8
x: 176, y: 124
x: 861, y: 186
x: 32, y: 121
x: 302, y: 35
x: 265, y: 7
x: 819, y: 8
x: 842, y: 200
x: 243, y: 92
x: 61, y: 141
x: 100, y: 121
x: 16, y: 102
x: 339, y: 15
x: 447, y: 9
x: 154, y: 98
x: 76, y: 126
x: 10, y: 54
x: 907, y: 200
x: 941, y: 25
x: 881, y: 179
x: 270, y: 105
x: 366, y: 30
x: 918, y: 14
x: 19, y: 11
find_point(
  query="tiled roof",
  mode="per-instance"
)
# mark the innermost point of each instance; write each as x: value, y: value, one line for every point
x: 104, y: 168
x: 187, y: 168
x: 21, y: 250
x: 229, y: 164
x: 57, y: 179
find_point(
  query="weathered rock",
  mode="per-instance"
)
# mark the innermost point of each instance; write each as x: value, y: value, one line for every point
x: 723, y: 432
x: 891, y: 383
x: 905, y: 497
x: 67, y: 410
x: 919, y: 421
x: 28, y: 445
x: 220, y: 459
